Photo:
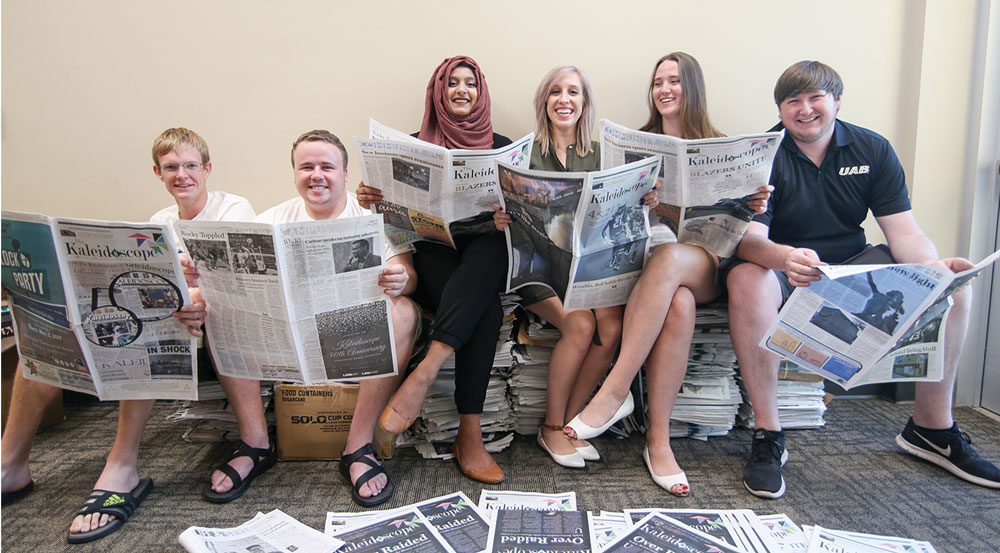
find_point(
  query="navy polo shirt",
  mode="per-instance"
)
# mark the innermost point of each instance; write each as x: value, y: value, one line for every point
x: 822, y: 208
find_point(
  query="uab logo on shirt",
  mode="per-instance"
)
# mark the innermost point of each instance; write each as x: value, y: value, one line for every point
x: 856, y: 170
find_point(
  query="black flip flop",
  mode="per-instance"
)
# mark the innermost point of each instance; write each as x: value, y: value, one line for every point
x: 263, y: 459
x: 121, y: 505
x: 360, y: 456
x: 10, y: 497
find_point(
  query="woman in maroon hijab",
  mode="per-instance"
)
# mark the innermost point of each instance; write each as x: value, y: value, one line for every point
x: 460, y: 285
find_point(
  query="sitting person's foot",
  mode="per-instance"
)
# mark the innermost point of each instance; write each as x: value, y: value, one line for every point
x: 762, y: 473
x: 602, y: 411
x: 374, y: 485
x: 950, y: 449
x: 114, y: 479
x: 406, y: 403
x: 553, y: 441
x: 475, y: 462
x: 242, y: 465
x: 16, y: 480
x: 664, y: 469
x: 370, y: 484
x: 585, y: 449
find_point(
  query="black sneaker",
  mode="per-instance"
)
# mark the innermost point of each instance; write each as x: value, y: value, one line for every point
x: 762, y: 474
x: 949, y: 449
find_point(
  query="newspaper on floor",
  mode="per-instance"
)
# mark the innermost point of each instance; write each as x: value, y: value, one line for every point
x: 785, y: 533
x: 273, y: 532
x: 863, y: 324
x: 822, y: 540
x: 430, y: 192
x: 93, y: 303
x: 455, y: 516
x: 704, y: 183
x: 739, y: 528
x: 519, y: 531
x: 298, y: 302
x: 606, y: 527
x: 656, y: 533
x: 397, y: 531
x: 492, y: 501
x: 584, y: 235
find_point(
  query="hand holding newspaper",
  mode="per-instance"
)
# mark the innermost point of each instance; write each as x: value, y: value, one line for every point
x: 862, y: 324
x: 295, y: 301
x: 93, y: 304
x: 430, y: 192
x: 584, y: 235
x: 274, y: 532
x: 705, y: 184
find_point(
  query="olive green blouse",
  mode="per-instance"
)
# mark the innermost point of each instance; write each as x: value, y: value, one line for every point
x: 574, y: 163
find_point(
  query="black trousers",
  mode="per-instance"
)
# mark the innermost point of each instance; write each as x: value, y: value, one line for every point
x: 462, y: 286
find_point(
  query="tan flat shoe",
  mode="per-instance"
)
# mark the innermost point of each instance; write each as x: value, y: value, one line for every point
x: 492, y: 474
x: 392, y: 422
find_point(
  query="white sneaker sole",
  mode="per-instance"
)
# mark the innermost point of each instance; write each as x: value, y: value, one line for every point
x: 943, y: 462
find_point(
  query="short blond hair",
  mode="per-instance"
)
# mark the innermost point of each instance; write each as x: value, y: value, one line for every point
x: 170, y: 139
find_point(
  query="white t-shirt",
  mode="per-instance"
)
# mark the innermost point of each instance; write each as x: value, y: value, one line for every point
x: 294, y: 211
x: 219, y: 207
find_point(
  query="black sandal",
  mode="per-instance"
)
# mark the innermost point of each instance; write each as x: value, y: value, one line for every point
x: 360, y: 456
x: 120, y: 505
x: 263, y: 459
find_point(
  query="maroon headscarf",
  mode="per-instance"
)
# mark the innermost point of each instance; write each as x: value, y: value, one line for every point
x: 444, y: 128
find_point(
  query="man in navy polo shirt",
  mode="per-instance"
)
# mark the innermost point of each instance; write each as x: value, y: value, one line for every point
x: 827, y: 175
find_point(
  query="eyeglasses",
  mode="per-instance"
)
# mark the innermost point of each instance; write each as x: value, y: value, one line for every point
x: 189, y: 168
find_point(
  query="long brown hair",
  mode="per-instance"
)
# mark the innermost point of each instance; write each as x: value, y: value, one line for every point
x: 694, y: 105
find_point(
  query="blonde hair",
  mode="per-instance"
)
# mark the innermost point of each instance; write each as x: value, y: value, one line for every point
x: 170, y: 139
x: 694, y: 105
x: 584, y: 126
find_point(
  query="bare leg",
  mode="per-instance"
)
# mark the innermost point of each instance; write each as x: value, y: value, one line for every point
x: 244, y: 396
x: 373, y: 394
x: 933, y: 405
x: 25, y: 414
x: 120, y: 471
x: 470, y: 441
x: 410, y: 397
x: 672, y: 266
x: 598, y: 359
x: 577, y: 328
x: 754, y: 301
x: 665, y: 369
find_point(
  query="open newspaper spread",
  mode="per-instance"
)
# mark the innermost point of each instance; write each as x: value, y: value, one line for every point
x: 432, y: 193
x: 584, y: 235
x: 289, y: 303
x: 397, y: 531
x: 863, y: 324
x: 705, y: 184
x: 274, y: 532
x: 93, y: 304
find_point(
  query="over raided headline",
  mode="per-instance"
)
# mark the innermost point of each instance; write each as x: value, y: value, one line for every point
x: 704, y: 184
x: 862, y: 324
x: 430, y: 192
x: 584, y: 235
x: 294, y: 301
x: 93, y: 304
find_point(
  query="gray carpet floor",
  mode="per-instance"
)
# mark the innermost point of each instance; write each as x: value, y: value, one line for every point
x: 848, y: 475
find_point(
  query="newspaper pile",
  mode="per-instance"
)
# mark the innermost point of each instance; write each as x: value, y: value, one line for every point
x: 709, y: 397
x: 527, y: 386
x: 211, y: 418
x: 801, y: 399
x: 511, y: 521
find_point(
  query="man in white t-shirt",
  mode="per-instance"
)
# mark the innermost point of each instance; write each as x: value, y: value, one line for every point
x: 181, y: 161
x: 319, y: 160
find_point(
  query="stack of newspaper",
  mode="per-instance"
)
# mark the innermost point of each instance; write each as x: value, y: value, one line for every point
x: 211, y: 418
x: 709, y: 397
x: 527, y: 386
x: 801, y: 399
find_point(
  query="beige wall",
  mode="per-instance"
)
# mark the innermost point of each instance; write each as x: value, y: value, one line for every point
x: 88, y: 85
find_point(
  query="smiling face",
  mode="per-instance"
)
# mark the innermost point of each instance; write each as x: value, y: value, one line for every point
x: 667, y: 91
x: 463, y: 91
x: 565, y: 102
x: 809, y: 116
x: 184, y: 173
x: 320, y: 178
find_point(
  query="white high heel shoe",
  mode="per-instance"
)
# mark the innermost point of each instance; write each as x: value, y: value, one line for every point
x: 570, y: 460
x: 669, y: 481
x: 584, y: 431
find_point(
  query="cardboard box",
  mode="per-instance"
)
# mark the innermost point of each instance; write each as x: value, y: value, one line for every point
x: 313, y: 421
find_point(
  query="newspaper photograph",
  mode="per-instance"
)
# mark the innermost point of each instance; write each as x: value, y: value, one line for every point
x: 518, y: 531
x: 605, y: 528
x: 704, y: 185
x: 274, y: 532
x: 863, y: 324
x: 657, y: 533
x: 584, y: 235
x: 92, y: 304
x: 294, y: 301
x: 398, y: 531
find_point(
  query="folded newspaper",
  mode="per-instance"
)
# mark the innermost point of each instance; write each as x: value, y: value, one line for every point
x: 584, y: 235
x: 274, y: 532
x: 291, y: 302
x: 705, y: 184
x: 430, y: 192
x: 863, y: 324
x: 93, y: 304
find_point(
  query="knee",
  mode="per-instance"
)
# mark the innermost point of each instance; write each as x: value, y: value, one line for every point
x: 683, y: 305
x: 665, y: 259
x: 610, y: 332
x: 404, y: 316
x: 746, y: 283
x: 579, y: 327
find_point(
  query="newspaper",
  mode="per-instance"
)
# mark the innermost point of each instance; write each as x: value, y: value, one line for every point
x: 739, y: 528
x: 863, y: 324
x: 704, y: 184
x: 398, y: 531
x: 93, y: 303
x: 657, y: 533
x: 519, y: 531
x: 430, y: 192
x: 785, y: 533
x: 492, y: 501
x: 273, y: 532
x: 824, y: 539
x: 584, y: 235
x: 290, y: 301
